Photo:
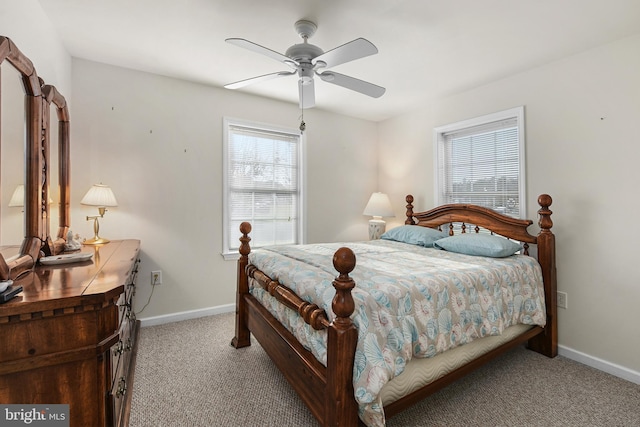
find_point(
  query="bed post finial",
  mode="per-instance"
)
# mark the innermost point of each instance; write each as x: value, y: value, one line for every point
x: 409, y: 220
x: 342, y: 337
x: 245, y: 229
x: 344, y: 260
x: 545, y: 222
x: 242, y: 338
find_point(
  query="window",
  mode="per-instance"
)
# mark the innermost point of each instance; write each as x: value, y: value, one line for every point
x: 262, y: 184
x: 481, y: 161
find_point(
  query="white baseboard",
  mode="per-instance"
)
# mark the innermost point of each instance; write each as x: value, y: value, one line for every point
x: 186, y: 315
x: 602, y: 365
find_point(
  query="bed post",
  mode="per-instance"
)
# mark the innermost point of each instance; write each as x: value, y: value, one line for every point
x: 243, y: 337
x: 342, y: 336
x: 409, y: 214
x: 547, y: 342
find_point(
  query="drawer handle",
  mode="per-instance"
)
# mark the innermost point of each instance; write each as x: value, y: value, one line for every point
x: 128, y: 346
x: 122, y: 387
x: 119, y: 348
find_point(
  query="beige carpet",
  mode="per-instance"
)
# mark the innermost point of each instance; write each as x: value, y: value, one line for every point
x: 187, y: 374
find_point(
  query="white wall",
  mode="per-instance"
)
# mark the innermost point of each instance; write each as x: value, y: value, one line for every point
x: 406, y: 161
x: 581, y: 117
x: 157, y: 142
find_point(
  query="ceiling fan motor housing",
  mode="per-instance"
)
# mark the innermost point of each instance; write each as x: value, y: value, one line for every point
x: 303, y: 52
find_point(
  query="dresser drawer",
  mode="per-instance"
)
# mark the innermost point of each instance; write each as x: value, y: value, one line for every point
x: 122, y: 359
x: 56, y: 331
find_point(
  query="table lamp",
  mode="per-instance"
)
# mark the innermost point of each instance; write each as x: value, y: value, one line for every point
x: 378, y: 206
x: 101, y: 196
x: 17, y: 198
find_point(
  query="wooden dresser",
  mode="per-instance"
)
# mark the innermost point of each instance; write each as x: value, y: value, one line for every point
x: 70, y: 336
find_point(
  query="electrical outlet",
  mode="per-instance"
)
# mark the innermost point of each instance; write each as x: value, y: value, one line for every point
x: 561, y: 299
x: 156, y: 277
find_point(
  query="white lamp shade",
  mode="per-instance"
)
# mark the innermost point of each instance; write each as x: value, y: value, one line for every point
x: 379, y: 205
x: 99, y: 195
x: 17, y: 199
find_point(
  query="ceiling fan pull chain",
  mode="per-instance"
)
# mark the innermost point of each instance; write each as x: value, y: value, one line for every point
x: 303, y: 125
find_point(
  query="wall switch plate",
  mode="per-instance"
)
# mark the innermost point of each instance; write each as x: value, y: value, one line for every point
x: 561, y: 299
x: 156, y: 277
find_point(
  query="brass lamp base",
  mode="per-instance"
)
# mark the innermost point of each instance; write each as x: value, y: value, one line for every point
x: 96, y: 241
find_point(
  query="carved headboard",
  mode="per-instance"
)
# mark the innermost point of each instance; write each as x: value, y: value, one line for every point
x: 38, y: 99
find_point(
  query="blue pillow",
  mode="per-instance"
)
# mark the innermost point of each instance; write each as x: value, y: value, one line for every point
x: 478, y: 244
x: 414, y: 235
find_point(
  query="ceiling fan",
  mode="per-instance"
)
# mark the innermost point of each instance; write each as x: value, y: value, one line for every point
x: 307, y: 60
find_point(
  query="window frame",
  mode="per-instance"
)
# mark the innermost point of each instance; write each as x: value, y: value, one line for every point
x: 439, y: 135
x: 228, y: 122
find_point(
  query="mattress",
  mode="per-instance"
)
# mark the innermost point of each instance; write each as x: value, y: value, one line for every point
x: 420, y: 372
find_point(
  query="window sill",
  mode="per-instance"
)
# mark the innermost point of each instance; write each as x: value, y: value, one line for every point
x: 230, y: 256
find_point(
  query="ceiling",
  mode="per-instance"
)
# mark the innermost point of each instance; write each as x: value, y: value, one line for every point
x: 427, y: 49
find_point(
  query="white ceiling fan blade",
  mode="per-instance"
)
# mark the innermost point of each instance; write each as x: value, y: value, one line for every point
x: 352, y: 83
x: 355, y: 49
x: 307, y: 93
x: 243, y: 83
x: 262, y: 50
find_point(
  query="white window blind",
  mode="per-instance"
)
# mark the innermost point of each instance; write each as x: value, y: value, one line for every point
x: 482, y: 162
x: 262, y: 185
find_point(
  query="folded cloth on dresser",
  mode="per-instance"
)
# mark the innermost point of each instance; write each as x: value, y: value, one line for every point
x: 410, y: 302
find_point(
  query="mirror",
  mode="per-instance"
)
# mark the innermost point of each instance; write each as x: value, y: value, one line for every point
x: 12, y: 155
x: 57, y: 156
x: 37, y: 163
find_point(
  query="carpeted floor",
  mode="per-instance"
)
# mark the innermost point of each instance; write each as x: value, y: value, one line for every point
x: 187, y: 374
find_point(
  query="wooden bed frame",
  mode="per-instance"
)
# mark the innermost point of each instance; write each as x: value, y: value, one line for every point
x: 328, y: 391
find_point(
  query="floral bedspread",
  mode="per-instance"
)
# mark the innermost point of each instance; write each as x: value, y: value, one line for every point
x: 411, y: 301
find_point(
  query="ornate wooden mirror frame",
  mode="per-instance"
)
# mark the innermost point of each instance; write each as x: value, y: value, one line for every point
x: 38, y: 99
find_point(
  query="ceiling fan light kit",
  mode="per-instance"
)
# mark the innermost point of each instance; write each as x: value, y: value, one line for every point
x: 307, y: 61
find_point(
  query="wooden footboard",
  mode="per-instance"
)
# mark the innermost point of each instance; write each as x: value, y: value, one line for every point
x: 328, y: 391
